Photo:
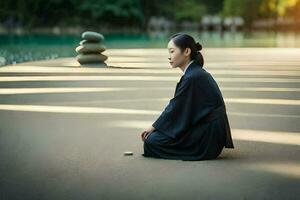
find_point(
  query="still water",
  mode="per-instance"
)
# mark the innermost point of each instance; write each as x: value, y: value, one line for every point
x: 16, y: 49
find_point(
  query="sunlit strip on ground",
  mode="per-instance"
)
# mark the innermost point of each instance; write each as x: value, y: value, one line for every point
x: 208, y: 65
x: 138, y: 78
x: 250, y: 64
x: 86, y: 78
x: 218, y: 65
x: 257, y: 101
x: 280, y: 53
x: 60, y: 90
x: 75, y: 104
x: 284, y: 168
x: 111, y: 70
x: 262, y: 115
x: 260, y: 89
x: 111, y: 89
x: 257, y: 73
x: 105, y: 110
x: 73, y: 109
x: 227, y: 101
x: 289, y: 138
x: 267, y: 136
x: 263, y: 101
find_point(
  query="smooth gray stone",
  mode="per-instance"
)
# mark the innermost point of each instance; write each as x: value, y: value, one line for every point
x: 94, y: 65
x: 90, y: 48
x: 91, y: 58
x: 128, y: 153
x: 88, y: 42
x: 92, y: 36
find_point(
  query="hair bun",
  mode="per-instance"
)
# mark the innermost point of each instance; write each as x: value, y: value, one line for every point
x: 199, y: 46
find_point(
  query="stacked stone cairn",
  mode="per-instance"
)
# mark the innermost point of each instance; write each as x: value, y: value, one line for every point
x: 90, y: 49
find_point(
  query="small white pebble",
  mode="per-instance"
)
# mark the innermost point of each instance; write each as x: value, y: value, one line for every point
x: 128, y: 153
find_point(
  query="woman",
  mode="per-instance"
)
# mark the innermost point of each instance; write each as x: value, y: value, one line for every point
x: 194, y: 125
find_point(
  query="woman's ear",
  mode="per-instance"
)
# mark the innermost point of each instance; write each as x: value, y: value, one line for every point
x: 187, y: 51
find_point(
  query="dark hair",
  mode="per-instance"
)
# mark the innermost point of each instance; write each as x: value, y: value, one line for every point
x: 184, y: 41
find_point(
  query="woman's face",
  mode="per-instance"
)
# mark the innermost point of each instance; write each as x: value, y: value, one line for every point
x: 176, y: 57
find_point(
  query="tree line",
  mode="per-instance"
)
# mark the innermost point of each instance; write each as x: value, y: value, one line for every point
x: 136, y: 13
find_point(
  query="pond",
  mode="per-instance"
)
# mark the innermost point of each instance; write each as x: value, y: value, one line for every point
x: 16, y: 49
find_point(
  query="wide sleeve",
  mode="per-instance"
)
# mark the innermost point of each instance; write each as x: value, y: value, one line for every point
x: 183, y: 110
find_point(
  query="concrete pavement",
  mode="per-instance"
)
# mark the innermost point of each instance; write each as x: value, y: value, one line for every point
x: 64, y: 128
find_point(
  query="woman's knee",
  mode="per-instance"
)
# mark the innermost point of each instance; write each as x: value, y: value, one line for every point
x: 157, y: 138
x: 149, y: 139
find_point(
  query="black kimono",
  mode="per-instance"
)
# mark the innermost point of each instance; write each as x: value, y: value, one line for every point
x: 194, y: 125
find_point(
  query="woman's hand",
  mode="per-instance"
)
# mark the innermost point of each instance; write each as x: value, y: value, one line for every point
x: 147, y: 132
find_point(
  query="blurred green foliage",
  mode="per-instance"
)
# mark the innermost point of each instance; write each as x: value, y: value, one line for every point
x: 124, y: 13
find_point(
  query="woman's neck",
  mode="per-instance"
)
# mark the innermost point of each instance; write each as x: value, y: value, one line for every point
x: 185, y: 65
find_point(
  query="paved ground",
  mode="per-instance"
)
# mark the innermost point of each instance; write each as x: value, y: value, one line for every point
x: 64, y: 128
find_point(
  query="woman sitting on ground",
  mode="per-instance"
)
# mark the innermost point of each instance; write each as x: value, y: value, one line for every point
x: 194, y: 125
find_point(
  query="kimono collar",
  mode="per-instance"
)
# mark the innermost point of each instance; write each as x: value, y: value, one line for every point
x: 190, y: 68
x: 187, y: 66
